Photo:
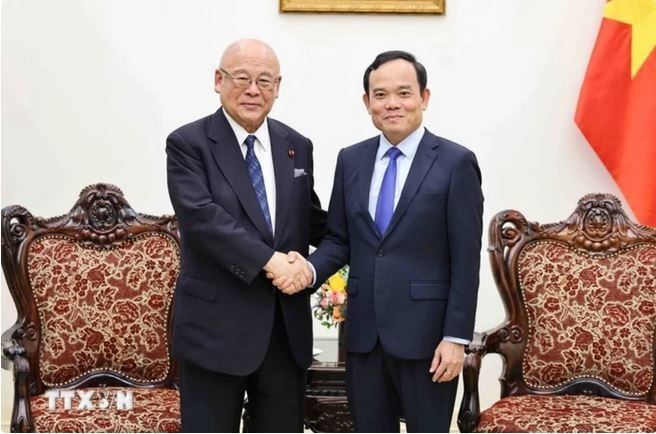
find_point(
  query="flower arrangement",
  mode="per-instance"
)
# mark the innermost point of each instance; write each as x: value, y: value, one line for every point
x: 331, y: 299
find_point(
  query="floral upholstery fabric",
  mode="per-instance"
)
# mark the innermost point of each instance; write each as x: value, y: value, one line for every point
x: 154, y: 410
x: 103, y: 309
x: 589, y: 316
x: 567, y: 413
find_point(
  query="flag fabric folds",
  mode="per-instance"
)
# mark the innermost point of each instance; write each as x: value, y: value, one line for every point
x: 616, y: 110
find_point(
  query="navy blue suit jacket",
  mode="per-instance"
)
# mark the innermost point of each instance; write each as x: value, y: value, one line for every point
x: 224, y: 304
x: 417, y: 282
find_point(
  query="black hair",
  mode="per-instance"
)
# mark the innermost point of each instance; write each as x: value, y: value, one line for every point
x: 388, y: 56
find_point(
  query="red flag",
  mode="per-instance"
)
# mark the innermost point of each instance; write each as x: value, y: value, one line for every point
x: 616, y: 111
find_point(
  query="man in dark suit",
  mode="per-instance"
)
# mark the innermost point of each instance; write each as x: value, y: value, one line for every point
x: 406, y: 214
x: 242, y: 188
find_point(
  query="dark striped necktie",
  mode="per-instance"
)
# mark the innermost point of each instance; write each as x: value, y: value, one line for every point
x: 257, y: 178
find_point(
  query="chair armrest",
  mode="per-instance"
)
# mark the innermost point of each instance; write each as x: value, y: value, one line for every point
x: 483, y: 343
x: 469, y: 414
x: 13, y: 358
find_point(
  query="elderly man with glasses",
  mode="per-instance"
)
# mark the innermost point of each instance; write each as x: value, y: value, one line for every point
x: 242, y: 188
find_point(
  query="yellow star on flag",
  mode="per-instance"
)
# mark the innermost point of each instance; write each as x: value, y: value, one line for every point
x: 641, y: 15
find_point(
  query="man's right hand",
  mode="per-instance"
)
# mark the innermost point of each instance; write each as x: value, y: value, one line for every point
x: 289, y: 273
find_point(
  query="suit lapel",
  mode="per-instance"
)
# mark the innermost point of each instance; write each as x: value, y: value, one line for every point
x: 365, y: 172
x: 227, y: 155
x: 283, y: 166
x: 426, y: 153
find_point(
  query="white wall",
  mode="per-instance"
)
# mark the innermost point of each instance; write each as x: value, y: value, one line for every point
x: 91, y: 88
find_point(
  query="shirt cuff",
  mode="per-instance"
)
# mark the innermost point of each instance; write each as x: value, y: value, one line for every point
x: 314, y: 274
x: 454, y: 340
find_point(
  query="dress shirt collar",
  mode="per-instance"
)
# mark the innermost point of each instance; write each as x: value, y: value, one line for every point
x: 408, y: 145
x: 261, y: 133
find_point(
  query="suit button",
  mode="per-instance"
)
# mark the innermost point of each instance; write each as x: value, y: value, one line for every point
x: 381, y: 252
x: 232, y: 268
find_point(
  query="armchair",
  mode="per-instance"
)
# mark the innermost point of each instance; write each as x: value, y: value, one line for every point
x: 578, y: 343
x: 93, y: 290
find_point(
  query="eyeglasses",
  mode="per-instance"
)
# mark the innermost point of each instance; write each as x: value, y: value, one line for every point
x: 243, y: 80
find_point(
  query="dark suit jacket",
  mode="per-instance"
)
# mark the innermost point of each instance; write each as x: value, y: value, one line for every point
x: 224, y: 304
x: 418, y: 282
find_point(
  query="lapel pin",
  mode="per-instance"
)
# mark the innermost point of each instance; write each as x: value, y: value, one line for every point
x: 291, y: 153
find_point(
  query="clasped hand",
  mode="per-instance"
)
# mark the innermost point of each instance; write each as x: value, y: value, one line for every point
x: 289, y: 272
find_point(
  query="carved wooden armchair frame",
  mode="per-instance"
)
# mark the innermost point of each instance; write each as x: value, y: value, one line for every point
x: 598, y: 228
x: 101, y: 220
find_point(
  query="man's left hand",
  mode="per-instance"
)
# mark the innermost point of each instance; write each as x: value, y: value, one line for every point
x: 447, y: 361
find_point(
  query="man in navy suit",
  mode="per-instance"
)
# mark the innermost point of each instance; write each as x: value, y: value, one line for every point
x: 242, y: 188
x: 406, y: 214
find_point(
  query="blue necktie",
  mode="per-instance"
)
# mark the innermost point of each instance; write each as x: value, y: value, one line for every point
x: 255, y: 172
x: 385, y: 205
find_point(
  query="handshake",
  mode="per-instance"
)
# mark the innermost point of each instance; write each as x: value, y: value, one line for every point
x: 290, y: 273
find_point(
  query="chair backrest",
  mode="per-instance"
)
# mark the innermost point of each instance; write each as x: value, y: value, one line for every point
x: 93, y: 291
x: 580, y: 299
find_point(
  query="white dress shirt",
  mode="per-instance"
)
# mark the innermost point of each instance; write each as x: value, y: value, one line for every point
x: 408, y: 148
x: 262, y: 149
